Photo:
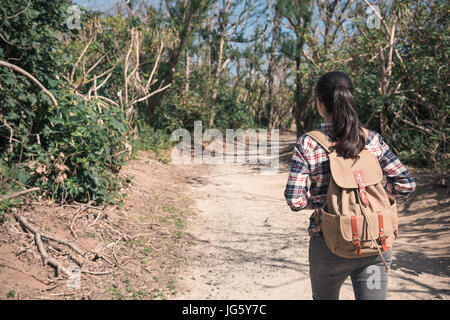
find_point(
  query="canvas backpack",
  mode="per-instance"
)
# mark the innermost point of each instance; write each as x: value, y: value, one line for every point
x: 360, y: 219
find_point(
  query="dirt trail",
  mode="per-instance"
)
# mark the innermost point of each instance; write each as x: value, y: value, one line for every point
x: 249, y: 245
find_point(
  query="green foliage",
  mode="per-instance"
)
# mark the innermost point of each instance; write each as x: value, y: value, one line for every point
x: 148, y: 138
x: 11, y: 294
x: 9, y: 183
x: 417, y: 111
x: 179, y: 110
x: 231, y: 113
x: 71, y: 151
x: 412, y: 113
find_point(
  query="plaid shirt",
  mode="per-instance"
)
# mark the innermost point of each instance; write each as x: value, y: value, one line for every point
x: 310, y: 160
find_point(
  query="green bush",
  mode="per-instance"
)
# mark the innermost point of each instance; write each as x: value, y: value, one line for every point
x: 230, y: 113
x: 71, y: 151
x: 179, y: 110
x: 148, y: 138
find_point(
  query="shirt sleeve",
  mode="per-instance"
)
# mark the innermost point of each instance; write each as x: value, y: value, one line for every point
x: 296, y: 189
x: 399, y: 180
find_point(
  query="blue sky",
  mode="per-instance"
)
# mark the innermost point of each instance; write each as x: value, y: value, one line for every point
x: 96, y: 4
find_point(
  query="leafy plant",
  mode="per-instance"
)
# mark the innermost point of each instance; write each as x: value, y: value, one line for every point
x: 11, y: 294
x: 72, y: 149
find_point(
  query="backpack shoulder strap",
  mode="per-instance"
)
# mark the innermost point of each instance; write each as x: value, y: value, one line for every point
x: 321, y: 138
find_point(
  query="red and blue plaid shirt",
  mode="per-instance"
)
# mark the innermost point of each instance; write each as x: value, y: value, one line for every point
x: 310, y: 161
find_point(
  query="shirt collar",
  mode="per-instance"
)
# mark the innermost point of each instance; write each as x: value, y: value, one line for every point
x: 327, y: 127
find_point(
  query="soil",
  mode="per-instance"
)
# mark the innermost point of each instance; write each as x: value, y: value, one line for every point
x: 134, y: 249
x: 208, y: 232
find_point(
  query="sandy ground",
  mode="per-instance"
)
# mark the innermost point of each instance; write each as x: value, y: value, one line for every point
x: 248, y: 244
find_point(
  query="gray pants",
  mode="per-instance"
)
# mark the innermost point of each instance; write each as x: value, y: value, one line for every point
x: 329, y: 271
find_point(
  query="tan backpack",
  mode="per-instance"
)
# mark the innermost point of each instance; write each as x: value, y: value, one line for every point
x: 361, y: 220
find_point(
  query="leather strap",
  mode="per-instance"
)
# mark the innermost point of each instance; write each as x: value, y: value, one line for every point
x: 382, y: 237
x: 360, y: 181
x: 316, y: 217
x: 369, y: 227
x: 355, y: 238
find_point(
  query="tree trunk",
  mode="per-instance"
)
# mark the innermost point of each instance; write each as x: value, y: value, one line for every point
x: 270, y: 91
x: 300, y: 106
x: 259, y: 102
x: 187, y: 66
x: 183, y: 35
x: 222, y: 27
x: 217, y: 79
x: 271, y: 67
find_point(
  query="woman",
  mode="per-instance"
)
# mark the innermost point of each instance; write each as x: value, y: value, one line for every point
x: 328, y: 271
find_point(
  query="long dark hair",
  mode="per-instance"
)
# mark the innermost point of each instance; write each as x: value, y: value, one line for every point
x: 335, y: 91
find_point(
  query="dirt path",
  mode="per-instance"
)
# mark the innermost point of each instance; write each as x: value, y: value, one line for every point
x: 241, y: 240
x: 249, y: 245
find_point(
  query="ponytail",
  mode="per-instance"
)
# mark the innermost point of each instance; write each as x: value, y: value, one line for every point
x: 334, y: 90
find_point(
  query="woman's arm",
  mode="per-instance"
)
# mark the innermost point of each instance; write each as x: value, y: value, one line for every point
x: 399, y: 180
x: 296, y: 189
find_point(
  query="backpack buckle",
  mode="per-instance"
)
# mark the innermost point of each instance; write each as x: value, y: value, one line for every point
x: 360, y: 181
x: 382, y: 237
x: 363, y: 197
x: 355, y: 242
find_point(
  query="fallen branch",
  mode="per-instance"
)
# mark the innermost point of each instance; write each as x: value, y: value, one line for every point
x: 38, y: 239
x: 29, y: 76
x: 26, y: 248
x: 97, y: 255
x: 75, y: 217
x: 18, y: 194
x: 64, y: 242
x: 20, y: 12
x: 98, y: 216
x: 101, y: 273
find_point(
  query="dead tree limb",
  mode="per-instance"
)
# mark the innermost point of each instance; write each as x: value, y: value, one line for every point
x: 38, y: 239
x: 18, y: 194
x: 20, y: 12
x: 64, y: 242
x: 29, y: 76
x: 75, y: 66
x: 75, y: 217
